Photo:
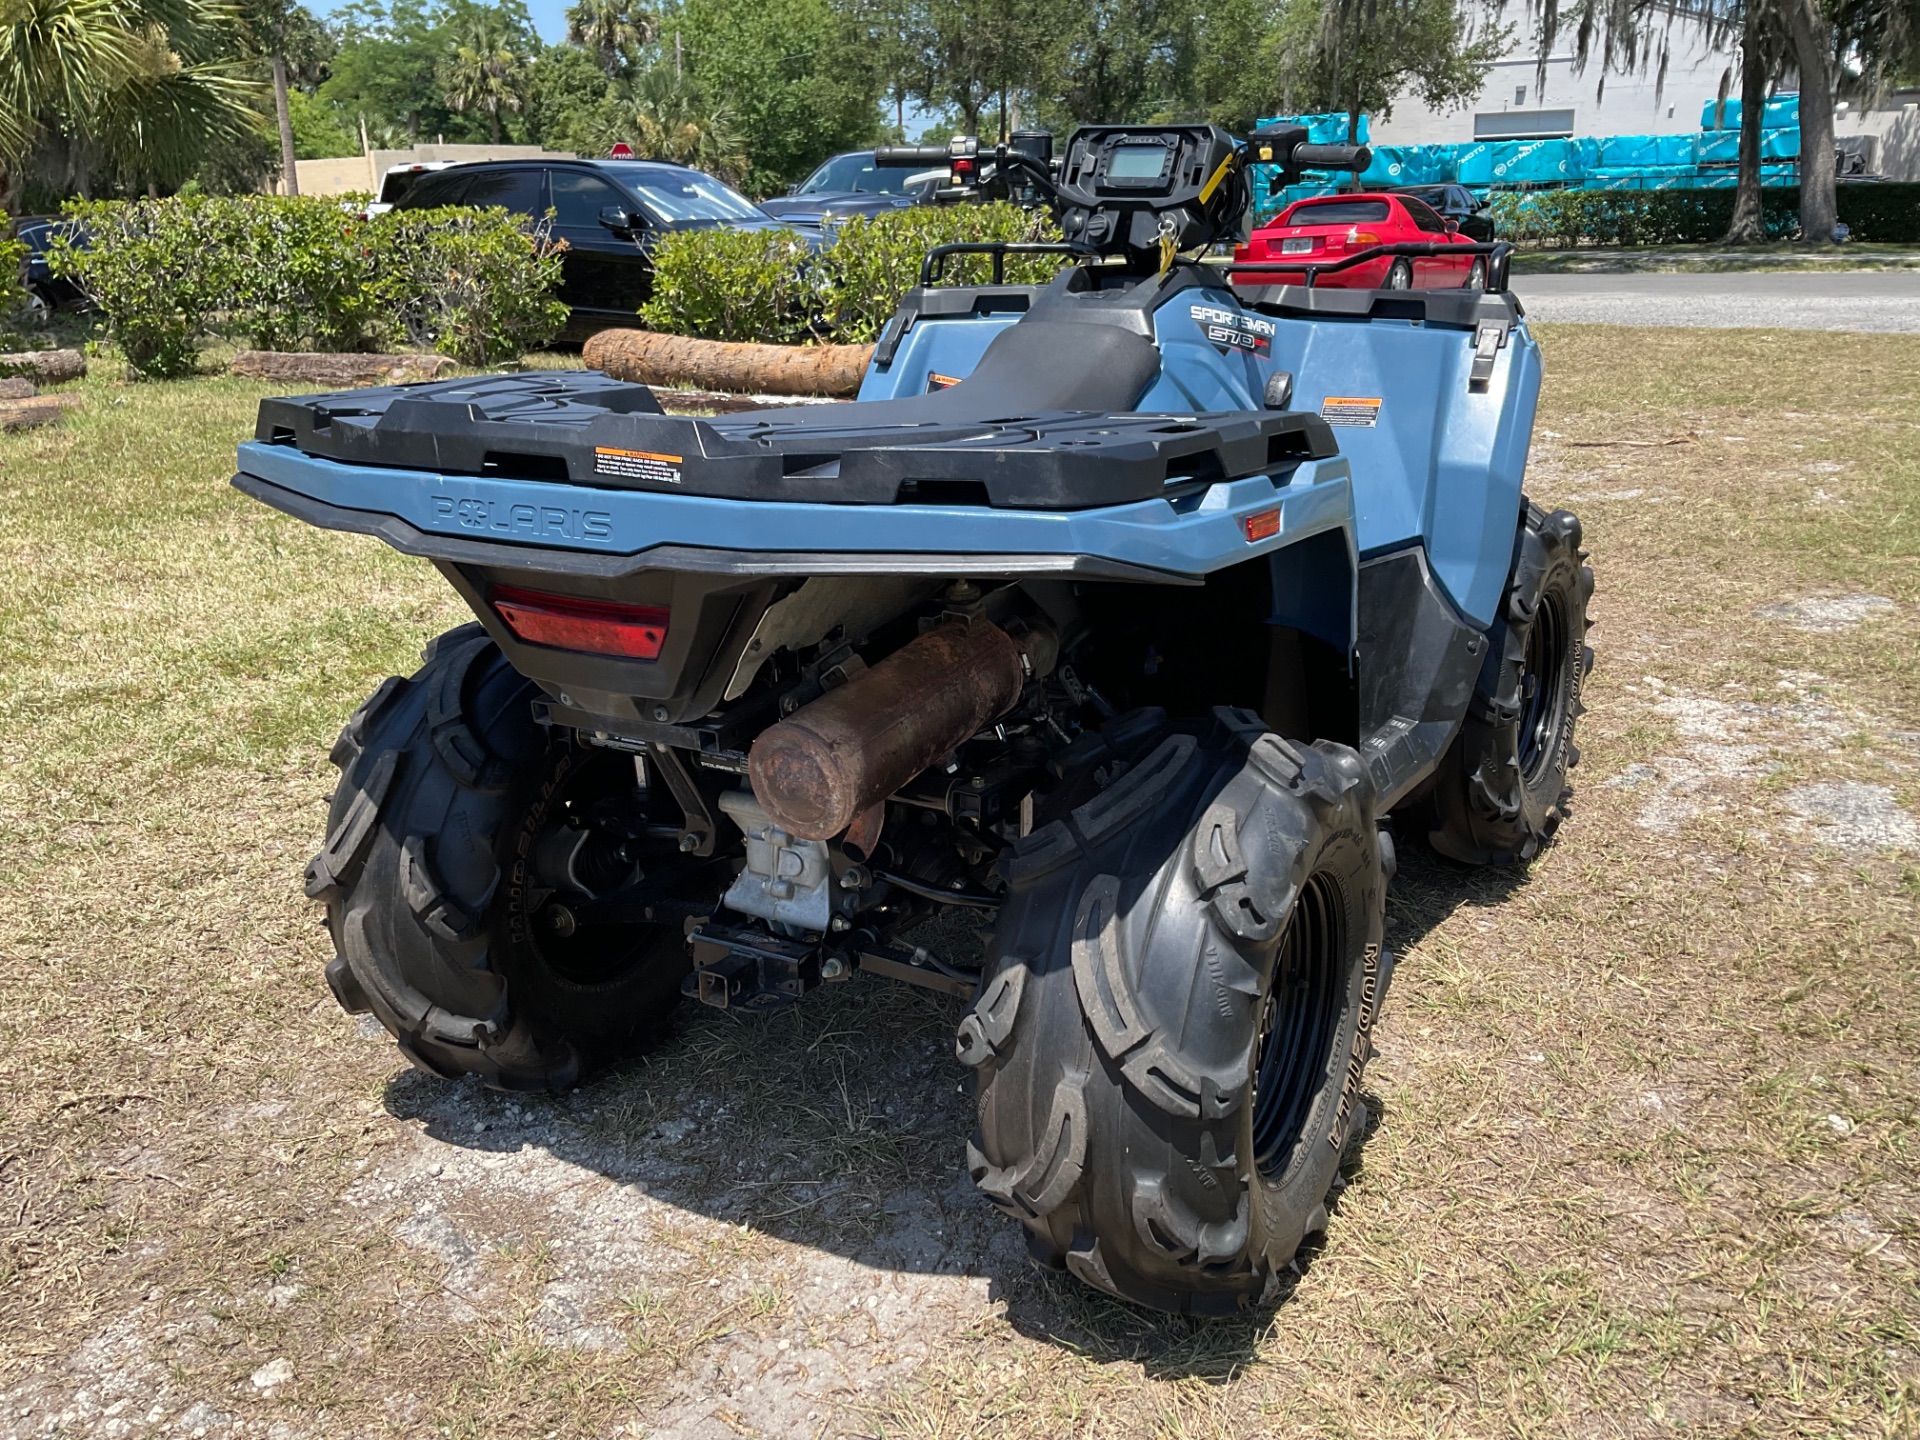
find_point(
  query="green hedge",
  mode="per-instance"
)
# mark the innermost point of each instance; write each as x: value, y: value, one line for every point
x: 768, y: 286
x: 289, y: 273
x: 13, y: 274
x: 1884, y: 213
x: 732, y: 285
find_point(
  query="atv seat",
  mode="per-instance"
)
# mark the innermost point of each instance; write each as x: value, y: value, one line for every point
x: 1031, y: 367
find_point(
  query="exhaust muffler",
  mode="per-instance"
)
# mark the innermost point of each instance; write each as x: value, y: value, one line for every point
x: 831, y: 760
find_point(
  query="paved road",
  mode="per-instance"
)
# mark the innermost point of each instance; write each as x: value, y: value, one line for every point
x: 1795, y: 300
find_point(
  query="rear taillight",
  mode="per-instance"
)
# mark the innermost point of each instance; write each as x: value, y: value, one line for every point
x: 1262, y: 525
x: 1362, y: 237
x: 566, y: 622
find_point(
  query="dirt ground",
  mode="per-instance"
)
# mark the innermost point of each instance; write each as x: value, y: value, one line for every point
x: 1643, y: 1148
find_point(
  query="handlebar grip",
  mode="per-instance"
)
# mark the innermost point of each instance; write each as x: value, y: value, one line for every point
x: 1332, y: 157
x: 910, y: 157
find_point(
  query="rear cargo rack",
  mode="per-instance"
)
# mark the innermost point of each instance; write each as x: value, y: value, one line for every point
x: 583, y: 428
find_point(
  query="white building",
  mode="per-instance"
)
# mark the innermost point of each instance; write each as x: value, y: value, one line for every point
x: 1517, y: 103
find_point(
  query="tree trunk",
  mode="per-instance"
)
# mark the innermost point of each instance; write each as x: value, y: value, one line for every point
x: 46, y: 366
x: 1746, y: 228
x: 493, y: 125
x: 1813, y: 51
x: 338, y: 371
x: 289, y: 169
x: 647, y: 358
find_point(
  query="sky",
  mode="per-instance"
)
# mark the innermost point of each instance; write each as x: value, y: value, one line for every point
x: 549, y: 17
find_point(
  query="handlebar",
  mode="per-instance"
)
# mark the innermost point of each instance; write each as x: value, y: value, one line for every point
x: 1332, y: 157
x: 910, y: 157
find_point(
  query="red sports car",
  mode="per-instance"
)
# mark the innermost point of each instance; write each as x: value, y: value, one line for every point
x: 1332, y: 227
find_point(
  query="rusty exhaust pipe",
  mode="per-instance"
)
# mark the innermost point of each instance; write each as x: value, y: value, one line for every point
x: 827, y: 763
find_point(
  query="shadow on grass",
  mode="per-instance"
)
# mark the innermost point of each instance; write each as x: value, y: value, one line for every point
x: 840, y: 1124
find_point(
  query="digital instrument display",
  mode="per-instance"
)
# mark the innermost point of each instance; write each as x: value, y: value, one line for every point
x: 1136, y: 162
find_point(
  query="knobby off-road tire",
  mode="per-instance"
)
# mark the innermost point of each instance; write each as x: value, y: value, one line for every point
x: 1502, y: 791
x: 446, y: 783
x: 1177, y: 1010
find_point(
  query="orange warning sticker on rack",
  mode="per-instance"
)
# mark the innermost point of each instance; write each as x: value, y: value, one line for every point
x: 636, y: 464
x: 1351, y: 410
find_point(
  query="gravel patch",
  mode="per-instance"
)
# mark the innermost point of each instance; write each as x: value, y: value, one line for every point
x: 1850, y: 815
x: 1828, y: 614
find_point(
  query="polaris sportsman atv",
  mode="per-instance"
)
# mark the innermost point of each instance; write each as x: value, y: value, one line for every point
x: 1138, y: 642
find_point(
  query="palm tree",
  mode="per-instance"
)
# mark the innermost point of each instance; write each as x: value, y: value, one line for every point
x: 146, y: 85
x: 611, y: 30
x: 671, y: 120
x: 484, y: 74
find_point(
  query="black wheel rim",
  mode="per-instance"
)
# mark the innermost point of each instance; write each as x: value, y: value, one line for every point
x: 1299, y: 1023
x: 563, y: 929
x: 1543, y: 688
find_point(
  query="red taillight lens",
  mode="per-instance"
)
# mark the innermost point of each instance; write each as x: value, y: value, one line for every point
x: 1262, y: 525
x: 1362, y: 237
x: 566, y: 622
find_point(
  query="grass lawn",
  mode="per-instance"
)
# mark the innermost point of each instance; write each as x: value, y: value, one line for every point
x: 1644, y: 1152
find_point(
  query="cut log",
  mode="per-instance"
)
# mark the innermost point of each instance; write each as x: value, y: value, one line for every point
x: 339, y: 372
x: 14, y: 388
x: 648, y: 358
x: 40, y: 410
x: 44, y: 365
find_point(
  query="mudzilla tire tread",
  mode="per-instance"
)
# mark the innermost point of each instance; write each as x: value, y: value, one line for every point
x: 1481, y: 810
x: 438, y: 774
x: 1113, y: 1036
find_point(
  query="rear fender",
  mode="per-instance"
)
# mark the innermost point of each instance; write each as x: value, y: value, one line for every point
x: 1438, y: 456
x: 710, y: 618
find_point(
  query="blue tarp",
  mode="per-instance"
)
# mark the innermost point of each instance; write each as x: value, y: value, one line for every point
x: 1540, y: 162
x: 1722, y: 147
x: 1782, y: 113
x: 1717, y: 147
x: 1612, y: 162
x: 1620, y: 152
x: 1408, y: 165
x: 1643, y: 177
x: 1321, y: 129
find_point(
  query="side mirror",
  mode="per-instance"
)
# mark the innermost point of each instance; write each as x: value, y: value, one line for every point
x: 617, y: 219
x: 1453, y: 226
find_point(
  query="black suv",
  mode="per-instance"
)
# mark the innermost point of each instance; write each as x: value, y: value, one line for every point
x: 1455, y: 203
x: 608, y: 211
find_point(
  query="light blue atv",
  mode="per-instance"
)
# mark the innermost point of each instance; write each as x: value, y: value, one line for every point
x: 1129, y: 612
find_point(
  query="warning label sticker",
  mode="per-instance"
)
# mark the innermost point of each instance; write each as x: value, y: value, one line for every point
x: 1351, y: 410
x: 636, y: 464
x: 937, y: 381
